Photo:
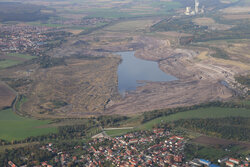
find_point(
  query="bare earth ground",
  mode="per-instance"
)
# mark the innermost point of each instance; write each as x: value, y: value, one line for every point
x: 212, y: 141
x: 6, y: 96
x: 198, y: 81
x: 89, y: 87
x: 84, y: 85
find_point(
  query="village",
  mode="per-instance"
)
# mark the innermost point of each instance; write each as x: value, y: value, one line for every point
x: 25, y: 38
x: 136, y: 149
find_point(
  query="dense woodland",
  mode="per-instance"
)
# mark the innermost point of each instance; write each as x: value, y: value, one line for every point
x: 23, y: 155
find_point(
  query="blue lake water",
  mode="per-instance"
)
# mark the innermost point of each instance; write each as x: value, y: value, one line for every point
x: 133, y: 70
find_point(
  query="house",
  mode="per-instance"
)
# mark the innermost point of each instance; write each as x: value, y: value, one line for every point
x: 178, y: 158
x: 235, y: 161
x: 176, y: 137
x: 11, y: 164
x: 131, y: 141
x: 44, y: 164
x: 230, y: 164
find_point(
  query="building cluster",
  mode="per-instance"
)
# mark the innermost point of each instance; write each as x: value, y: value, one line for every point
x: 144, y: 148
x: 232, y: 162
x: 196, y: 10
x: 138, y: 149
x: 22, y: 38
x: 226, y: 161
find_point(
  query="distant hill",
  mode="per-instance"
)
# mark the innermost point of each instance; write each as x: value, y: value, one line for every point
x: 16, y: 11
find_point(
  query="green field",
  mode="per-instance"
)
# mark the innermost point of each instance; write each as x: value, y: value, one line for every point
x: 128, y: 9
x: 207, y: 152
x: 8, y: 63
x: 38, y: 23
x: 23, y: 56
x: 14, y: 127
x: 211, y: 112
x: 20, y: 58
x: 118, y: 132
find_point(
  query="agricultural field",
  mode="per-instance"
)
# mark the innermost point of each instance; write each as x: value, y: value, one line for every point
x: 211, y: 112
x: 14, y: 127
x: 194, y: 150
x: 12, y: 59
x: 131, y: 26
x: 211, y: 24
x: 213, y: 141
x: 14, y: 11
x: 118, y: 132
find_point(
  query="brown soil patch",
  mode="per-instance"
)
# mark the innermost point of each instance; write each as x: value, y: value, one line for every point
x: 236, y: 16
x: 84, y: 86
x: 6, y: 96
x: 213, y: 141
x: 239, y: 9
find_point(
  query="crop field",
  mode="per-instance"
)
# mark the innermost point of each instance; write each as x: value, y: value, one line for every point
x: 112, y: 8
x: 211, y: 112
x: 12, y: 59
x: 38, y: 23
x: 118, y: 132
x: 14, y: 127
x: 131, y: 26
x: 208, y: 152
x: 236, y: 16
x: 213, y: 141
x: 8, y: 63
x: 237, y: 10
x: 22, y: 56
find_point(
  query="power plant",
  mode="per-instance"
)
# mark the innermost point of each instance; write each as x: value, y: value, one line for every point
x: 196, y: 10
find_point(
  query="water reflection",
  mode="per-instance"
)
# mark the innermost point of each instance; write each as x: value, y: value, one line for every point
x: 133, y: 70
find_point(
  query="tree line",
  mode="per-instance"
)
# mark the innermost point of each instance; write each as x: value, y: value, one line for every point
x: 148, y: 116
x: 236, y: 128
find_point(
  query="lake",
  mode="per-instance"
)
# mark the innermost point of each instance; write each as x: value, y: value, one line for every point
x: 132, y: 72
